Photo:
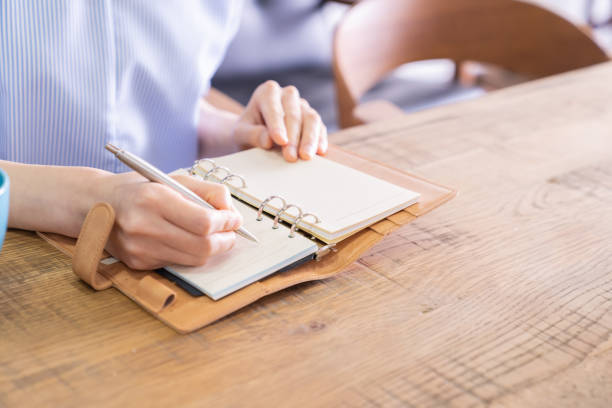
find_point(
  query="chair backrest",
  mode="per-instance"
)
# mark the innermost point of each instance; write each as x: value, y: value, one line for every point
x: 377, y: 36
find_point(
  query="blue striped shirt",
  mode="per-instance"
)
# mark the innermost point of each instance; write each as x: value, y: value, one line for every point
x: 75, y: 75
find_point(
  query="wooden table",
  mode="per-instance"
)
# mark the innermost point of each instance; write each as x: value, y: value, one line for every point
x: 502, y: 297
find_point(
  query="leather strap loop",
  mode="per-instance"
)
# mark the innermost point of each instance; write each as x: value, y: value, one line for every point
x: 90, y: 245
x: 153, y: 294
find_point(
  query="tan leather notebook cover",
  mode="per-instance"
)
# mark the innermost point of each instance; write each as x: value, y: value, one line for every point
x: 184, y: 312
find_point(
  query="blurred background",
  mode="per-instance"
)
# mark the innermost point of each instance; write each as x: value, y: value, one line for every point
x: 292, y: 43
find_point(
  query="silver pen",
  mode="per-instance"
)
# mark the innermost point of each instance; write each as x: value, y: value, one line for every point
x: 154, y: 174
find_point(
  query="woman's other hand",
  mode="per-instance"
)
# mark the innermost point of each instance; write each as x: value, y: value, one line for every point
x: 278, y: 116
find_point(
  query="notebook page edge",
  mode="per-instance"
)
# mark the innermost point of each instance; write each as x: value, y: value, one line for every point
x: 263, y: 274
x: 218, y: 294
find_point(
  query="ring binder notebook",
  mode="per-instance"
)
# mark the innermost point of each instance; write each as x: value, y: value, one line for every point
x: 287, y: 194
x: 185, y: 313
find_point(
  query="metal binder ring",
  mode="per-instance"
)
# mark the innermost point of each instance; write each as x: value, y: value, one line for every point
x: 209, y: 172
x: 284, y: 209
x: 193, y: 169
x: 226, y: 180
x: 216, y: 169
x: 266, y: 201
x: 212, y: 162
x: 294, y: 227
x: 197, y: 169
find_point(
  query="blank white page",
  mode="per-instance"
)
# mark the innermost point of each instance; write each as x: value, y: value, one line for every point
x: 247, y: 261
x: 344, y: 199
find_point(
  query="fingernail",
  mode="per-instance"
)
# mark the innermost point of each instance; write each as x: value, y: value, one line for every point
x: 312, y: 150
x: 306, y: 152
x: 282, y: 133
x: 237, y: 221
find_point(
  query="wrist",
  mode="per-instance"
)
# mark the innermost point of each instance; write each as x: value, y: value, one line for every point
x: 100, y: 188
x: 86, y: 187
x: 217, y: 131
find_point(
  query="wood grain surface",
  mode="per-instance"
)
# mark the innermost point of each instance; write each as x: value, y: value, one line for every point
x: 502, y: 297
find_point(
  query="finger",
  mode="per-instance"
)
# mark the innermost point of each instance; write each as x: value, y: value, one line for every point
x: 193, y: 217
x: 323, y: 141
x: 162, y: 231
x: 221, y: 221
x: 271, y: 108
x: 251, y: 135
x: 220, y: 242
x: 149, y: 252
x: 215, y: 194
x: 293, y: 121
x: 310, y: 132
x: 141, y: 252
x: 265, y: 141
x: 196, y: 250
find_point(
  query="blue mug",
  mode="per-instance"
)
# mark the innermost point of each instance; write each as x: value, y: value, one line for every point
x: 4, y: 204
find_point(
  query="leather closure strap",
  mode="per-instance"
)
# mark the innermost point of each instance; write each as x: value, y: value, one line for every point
x: 90, y: 245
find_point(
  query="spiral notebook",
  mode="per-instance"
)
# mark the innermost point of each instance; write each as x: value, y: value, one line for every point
x: 292, y: 208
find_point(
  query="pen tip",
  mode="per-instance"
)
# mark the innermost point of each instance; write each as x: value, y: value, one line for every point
x: 248, y: 235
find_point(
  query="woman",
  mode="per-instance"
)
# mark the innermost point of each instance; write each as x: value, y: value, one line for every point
x: 77, y: 75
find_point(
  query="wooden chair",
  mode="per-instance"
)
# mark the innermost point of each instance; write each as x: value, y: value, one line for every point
x: 377, y: 36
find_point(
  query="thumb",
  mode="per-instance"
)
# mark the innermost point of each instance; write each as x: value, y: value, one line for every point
x: 248, y: 134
